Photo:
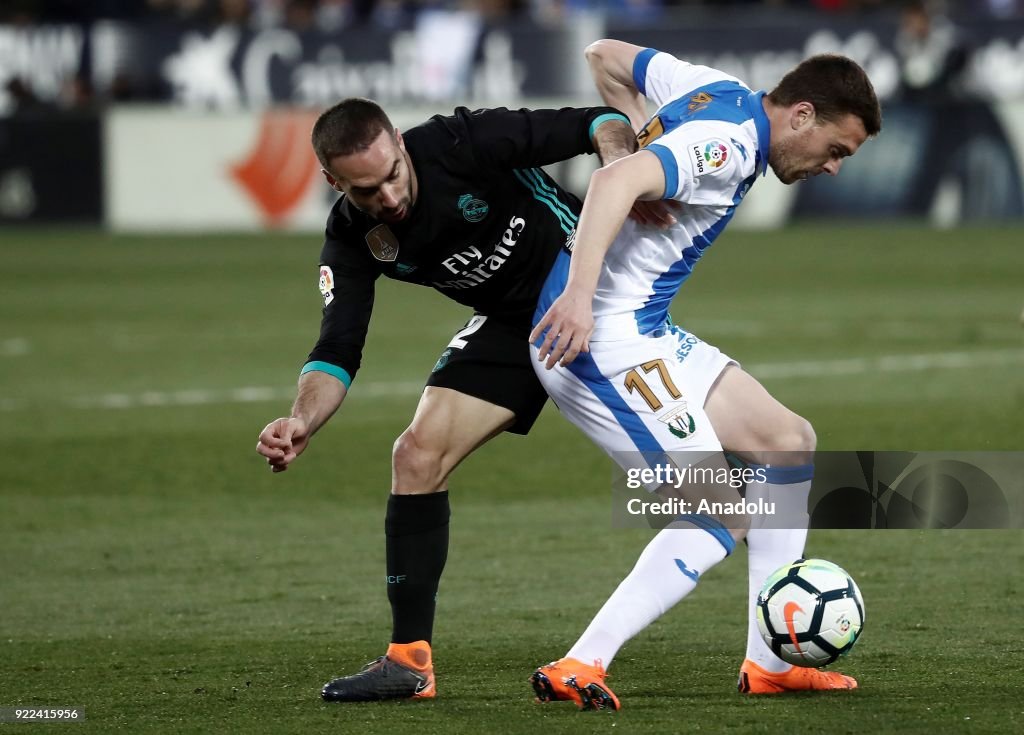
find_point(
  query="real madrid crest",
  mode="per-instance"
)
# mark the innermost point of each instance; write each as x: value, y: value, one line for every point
x: 382, y: 243
x: 472, y: 209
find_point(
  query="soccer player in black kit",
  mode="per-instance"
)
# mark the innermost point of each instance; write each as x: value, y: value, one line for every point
x: 459, y: 204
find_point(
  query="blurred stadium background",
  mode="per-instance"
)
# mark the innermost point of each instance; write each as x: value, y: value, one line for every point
x: 160, y: 222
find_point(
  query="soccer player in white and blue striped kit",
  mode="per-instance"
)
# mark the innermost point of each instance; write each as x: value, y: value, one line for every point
x: 614, y: 364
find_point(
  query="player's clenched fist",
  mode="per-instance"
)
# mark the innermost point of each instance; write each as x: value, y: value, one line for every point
x: 282, y: 441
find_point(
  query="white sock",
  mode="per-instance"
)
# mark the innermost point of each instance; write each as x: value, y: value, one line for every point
x: 770, y: 548
x: 667, y: 571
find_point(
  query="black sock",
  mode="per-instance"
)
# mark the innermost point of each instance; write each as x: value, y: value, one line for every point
x: 417, y: 548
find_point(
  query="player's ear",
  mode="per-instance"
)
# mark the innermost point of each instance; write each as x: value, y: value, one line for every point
x: 399, y: 139
x: 802, y: 115
x: 331, y: 181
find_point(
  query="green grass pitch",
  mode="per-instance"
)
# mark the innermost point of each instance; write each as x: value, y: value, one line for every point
x: 157, y: 574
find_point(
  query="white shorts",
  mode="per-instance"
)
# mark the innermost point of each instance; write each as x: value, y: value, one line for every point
x: 643, y: 394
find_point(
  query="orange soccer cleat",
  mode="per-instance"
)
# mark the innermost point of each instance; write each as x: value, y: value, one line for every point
x: 570, y: 679
x: 755, y: 680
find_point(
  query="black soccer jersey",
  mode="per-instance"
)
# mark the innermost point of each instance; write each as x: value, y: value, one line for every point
x: 485, y: 229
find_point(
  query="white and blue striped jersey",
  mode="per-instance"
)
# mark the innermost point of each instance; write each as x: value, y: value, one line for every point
x: 711, y: 135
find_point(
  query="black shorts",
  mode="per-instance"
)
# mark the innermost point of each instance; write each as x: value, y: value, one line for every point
x: 489, y: 358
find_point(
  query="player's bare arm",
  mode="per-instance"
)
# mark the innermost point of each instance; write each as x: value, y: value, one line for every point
x: 319, y: 396
x: 613, y: 139
x: 611, y: 65
x: 612, y: 192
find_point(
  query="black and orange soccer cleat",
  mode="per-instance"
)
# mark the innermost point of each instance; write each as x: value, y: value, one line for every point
x: 570, y: 679
x: 406, y: 671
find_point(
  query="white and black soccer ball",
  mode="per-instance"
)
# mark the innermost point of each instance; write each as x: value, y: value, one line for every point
x: 810, y: 612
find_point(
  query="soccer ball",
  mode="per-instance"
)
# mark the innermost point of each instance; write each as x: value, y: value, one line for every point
x: 810, y: 612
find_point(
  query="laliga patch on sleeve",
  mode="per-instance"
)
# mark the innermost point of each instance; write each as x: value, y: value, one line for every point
x: 709, y: 156
x: 327, y: 284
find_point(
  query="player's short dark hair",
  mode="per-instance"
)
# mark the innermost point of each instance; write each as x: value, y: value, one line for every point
x: 836, y: 86
x: 348, y: 127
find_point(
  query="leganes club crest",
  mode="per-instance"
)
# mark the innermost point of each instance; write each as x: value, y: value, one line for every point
x: 679, y: 421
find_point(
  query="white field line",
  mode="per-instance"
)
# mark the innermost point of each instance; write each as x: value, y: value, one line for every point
x: 887, y: 364
x: 406, y: 389
x: 249, y: 394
